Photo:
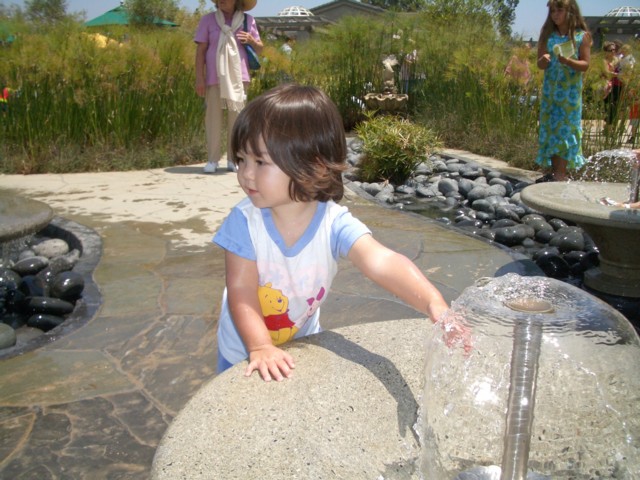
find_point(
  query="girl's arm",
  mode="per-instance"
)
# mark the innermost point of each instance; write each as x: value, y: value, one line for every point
x: 581, y: 64
x: 242, y: 294
x: 397, y: 274
x: 201, y: 52
x: 544, y: 58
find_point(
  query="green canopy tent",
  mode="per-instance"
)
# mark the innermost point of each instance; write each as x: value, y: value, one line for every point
x: 119, y: 16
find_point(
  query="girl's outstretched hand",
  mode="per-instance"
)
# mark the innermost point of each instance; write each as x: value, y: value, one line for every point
x: 454, y: 331
x: 271, y: 362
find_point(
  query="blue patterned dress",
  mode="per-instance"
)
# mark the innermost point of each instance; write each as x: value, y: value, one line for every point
x: 561, y: 109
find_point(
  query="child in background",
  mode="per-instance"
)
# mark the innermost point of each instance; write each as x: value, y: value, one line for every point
x: 282, y: 243
x: 560, y: 136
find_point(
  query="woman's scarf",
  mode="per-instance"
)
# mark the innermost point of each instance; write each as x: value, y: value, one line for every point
x: 228, y: 62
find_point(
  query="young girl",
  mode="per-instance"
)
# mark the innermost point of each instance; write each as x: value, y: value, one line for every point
x: 563, y: 53
x: 283, y: 241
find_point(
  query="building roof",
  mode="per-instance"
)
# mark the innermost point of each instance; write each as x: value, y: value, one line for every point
x: 295, y: 12
x: 622, y: 23
x: 300, y: 19
x: 624, y: 12
x: 352, y: 5
x: 298, y: 23
x: 119, y: 16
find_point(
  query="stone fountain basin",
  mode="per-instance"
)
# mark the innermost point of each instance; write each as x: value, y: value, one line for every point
x: 579, y: 202
x: 614, y: 229
x: 21, y: 216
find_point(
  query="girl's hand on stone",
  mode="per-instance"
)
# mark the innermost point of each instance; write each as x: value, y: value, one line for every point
x: 271, y: 362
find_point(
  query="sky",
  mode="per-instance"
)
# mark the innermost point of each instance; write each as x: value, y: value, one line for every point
x: 530, y: 14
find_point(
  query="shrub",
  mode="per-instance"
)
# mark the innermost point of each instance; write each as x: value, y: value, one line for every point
x: 393, y: 147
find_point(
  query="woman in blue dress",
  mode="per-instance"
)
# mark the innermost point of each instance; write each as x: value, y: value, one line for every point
x: 564, y: 50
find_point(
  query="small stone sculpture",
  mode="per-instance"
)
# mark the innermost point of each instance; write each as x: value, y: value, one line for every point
x: 388, y: 75
x: 389, y: 100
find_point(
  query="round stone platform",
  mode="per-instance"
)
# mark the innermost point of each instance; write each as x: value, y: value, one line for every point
x: 348, y: 412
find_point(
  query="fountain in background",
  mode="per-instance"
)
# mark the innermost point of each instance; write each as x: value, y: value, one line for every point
x: 389, y: 101
x: 46, y: 274
x: 602, y: 210
x: 547, y: 392
x: 20, y: 217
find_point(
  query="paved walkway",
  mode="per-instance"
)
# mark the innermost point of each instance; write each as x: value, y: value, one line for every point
x: 95, y: 403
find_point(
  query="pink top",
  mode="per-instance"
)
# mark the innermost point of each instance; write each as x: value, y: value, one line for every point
x: 208, y: 32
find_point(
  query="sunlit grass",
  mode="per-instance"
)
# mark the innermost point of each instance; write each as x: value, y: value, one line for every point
x: 131, y: 104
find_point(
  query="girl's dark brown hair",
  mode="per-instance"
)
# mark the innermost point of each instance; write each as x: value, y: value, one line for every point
x: 304, y: 135
x: 576, y: 21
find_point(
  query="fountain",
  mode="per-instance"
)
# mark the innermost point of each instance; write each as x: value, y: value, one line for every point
x: 538, y: 396
x: 21, y: 216
x: 613, y: 226
x: 389, y: 101
x: 50, y: 290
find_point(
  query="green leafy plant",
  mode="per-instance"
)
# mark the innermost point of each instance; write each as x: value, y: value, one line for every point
x: 393, y: 147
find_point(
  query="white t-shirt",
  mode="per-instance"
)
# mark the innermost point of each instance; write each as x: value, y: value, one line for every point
x: 292, y: 281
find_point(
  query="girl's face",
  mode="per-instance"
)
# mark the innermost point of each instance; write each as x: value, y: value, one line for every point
x: 262, y: 180
x: 558, y: 15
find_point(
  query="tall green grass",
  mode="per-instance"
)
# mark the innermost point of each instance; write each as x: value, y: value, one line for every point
x: 77, y: 96
x: 131, y: 104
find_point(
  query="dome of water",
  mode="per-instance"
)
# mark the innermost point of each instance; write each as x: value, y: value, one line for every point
x: 552, y: 385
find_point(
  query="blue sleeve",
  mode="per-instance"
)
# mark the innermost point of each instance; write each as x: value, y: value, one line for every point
x: 233, y: 235
x: 346, y: 229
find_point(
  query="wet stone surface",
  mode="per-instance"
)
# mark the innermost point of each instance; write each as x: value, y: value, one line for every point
x: 96, y: 401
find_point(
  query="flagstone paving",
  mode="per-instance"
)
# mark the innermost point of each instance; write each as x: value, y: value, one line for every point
x: 95, y: 403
